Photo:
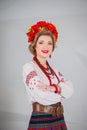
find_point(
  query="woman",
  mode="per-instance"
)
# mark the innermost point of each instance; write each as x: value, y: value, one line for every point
x: 46, y: 85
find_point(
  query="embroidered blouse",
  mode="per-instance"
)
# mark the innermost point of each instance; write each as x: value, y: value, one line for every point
x: 32, y: 74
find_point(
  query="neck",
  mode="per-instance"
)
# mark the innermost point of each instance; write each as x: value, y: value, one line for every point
x: 42, y: 61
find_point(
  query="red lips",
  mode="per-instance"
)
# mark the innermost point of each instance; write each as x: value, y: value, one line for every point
x: 45, y: 51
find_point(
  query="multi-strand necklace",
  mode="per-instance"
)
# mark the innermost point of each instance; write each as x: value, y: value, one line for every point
x: 48, y: 71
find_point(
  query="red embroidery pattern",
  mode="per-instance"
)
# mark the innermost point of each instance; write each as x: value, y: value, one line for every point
x: 62, y: 79
x: 30, y: 76
x: 60, y: 74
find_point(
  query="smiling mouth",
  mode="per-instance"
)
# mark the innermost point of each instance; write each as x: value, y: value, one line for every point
x: 45, y: 51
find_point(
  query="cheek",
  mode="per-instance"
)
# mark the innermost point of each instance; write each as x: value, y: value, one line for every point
x: 51, y: 48
x: 38, y: 48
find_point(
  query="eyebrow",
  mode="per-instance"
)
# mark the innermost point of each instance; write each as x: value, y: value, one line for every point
x: 43, y: 41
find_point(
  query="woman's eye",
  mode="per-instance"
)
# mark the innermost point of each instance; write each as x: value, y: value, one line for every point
x: 50, y: 43
x: 40, y: 42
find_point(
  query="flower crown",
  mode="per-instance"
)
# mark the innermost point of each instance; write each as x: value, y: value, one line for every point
x: 41, y: 26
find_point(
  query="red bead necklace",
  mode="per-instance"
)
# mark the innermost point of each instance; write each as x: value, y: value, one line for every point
x: 45, y: 70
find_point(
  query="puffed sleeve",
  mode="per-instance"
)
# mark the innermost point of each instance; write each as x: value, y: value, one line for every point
x: 66, y: 86
x: 31, y: 78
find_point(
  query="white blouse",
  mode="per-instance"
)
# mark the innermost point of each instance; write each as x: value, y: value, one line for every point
x: 32, y: 74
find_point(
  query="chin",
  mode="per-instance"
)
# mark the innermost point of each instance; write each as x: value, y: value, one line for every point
x: 45, y: 56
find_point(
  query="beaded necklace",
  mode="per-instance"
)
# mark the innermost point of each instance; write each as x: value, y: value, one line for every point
x: 45, y: 70
x: 48, y: 69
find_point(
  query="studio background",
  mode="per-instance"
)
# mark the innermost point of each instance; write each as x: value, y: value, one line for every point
x: 70, y: 57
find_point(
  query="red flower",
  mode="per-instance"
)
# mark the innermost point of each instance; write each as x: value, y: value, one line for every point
x: 31, y: 36
x: 50, y: 26
x: 34, y: 28
x: 41, y: 24
x: 37, y: 27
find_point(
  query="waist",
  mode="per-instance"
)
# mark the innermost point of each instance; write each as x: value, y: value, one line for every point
x: 54, y: 110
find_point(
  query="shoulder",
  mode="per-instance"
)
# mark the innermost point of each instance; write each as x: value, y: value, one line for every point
x: 55, y: 68
x: 28, y: 66
x: 57, y: 71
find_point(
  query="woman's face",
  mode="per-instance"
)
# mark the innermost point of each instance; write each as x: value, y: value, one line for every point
x: 44, y: 46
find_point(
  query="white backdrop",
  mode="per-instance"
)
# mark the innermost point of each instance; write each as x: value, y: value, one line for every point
x: 70, y: 57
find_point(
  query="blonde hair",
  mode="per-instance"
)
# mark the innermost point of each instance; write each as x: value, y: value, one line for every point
x: 32, y: 46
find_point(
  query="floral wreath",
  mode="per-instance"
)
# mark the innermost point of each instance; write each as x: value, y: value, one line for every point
x: 41, y: 26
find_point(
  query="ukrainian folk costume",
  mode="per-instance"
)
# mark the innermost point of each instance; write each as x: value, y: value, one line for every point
x: 47, y: 110
x: 42, y: 118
